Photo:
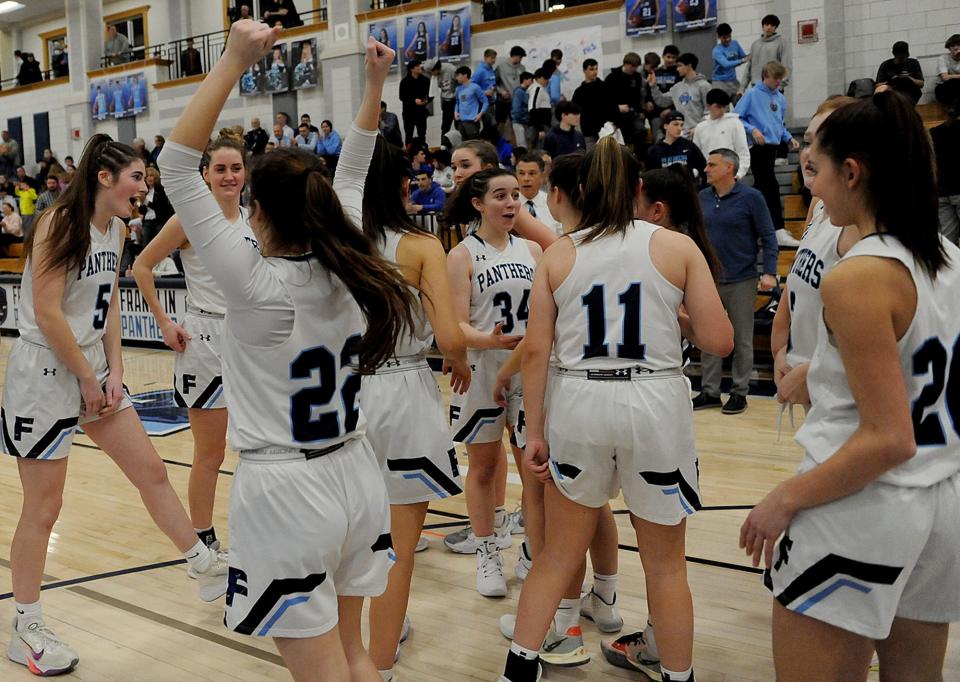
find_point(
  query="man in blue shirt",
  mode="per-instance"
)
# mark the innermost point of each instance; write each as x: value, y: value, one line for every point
x: 306, y: 140
x: 472, y: 104
x: 736, y: 218
x: 428, y: 197
x: 727, y: 56
x: 486, y: 79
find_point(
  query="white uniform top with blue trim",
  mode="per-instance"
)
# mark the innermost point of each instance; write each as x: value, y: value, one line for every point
x: 202, y: 291
x: 929, y: 363
x: 816, y: 254
x: 421, y: 339
x: 500, y: 285
x: 291, y: 326
x: 615, y: 309
x: 86, y: 294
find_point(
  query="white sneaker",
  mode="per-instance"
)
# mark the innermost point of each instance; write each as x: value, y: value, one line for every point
x: 508, y: 622
x: 524, y: 562
x: 515, y: 522
x: 40, y: 650
x: 422, y: 545
x: 464, y: 541
x: 605, y: 615
x: 780, y: 161
x: 213, y: 581
x: 784, y: 238
x: 192, y: 574
x: 490, y: 580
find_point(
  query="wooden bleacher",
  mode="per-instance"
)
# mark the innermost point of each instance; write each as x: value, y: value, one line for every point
x: 932, y: 114
x: 12, y: 259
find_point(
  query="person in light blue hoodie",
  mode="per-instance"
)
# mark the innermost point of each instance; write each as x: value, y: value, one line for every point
x: 329, y: 144
x: 763, y: 111
x: 727, y: 56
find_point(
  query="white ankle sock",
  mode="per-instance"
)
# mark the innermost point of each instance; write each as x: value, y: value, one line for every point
x: 605, y: 587
x: 567, y: 616
x: 651, y: 640
x: 28, y: 613
x: 199, y: 557
x: 499, y: 517
x: 676, y: 676
x: 386, y: 675
x: 525, y: 654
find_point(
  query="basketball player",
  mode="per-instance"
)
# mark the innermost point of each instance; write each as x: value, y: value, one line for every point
x: 67, y: 369
x: 490, y: 275
x: 881, y: 438
x: 406, y: 420
x: 309, y: 517
x: 198, y: 371
x: 586, y: 311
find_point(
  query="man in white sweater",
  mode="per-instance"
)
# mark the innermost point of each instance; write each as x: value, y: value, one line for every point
x: 722, y: 130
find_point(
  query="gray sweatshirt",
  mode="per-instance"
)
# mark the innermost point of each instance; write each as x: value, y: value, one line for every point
x: 508, y: 78
x: 762, y: 51
x: 689, y: 97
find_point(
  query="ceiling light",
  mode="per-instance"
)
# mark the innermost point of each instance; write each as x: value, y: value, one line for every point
x: 10, y: 6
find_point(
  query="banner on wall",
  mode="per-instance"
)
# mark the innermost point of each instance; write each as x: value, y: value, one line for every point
x: 136, y: 320
x: 251, y: 82
x: 306, y: 74
x: 454, y: 35
x: 577, y: 45
x: 691, y: 15
x: 420, y: 37
x: 646, y: 17
x: 386, y: 33
x: 118, y: 97
x: 276, y: 71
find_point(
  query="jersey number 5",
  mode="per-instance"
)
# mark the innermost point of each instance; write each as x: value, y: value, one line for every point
x: 307, y: 423
x: 596, y: 345
x: 928, y: 430
x: 101, y: 306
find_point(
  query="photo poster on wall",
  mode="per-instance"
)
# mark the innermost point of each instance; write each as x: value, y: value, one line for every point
x: 692, y: 15
x: 306, y: 73
x: 646, y: 17
x: 386, y: 33
x: 420, y: 37
x: 582, y: 43
x: 251, y: 82
x: 454, y: 35
x: 276, y: 71
x: 118, y: 96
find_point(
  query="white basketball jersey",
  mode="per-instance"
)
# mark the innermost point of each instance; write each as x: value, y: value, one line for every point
x: 501, y: 285
x: 301, y: 393
x: 930, y: 366
x: 421, y: 338
x: 816, y: 254
x: 615, y: 309
x: 202, y: 291
x: 86, y: 294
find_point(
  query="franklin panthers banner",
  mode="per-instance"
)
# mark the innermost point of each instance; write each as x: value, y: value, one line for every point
x: 691, y: 15
x: 646, y: 17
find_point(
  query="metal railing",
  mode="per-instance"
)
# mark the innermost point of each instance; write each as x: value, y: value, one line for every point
x: 501, y: 9
x: 11, y: 83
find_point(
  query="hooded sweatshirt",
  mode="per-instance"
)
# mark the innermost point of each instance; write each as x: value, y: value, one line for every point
x: 762, y: 51
x: 726, y: 132
x: 765, y: 109
x: 508, y: 77
x: 688, y: 97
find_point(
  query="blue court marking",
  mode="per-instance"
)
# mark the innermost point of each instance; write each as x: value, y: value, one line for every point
x: 827, y: 591
x: 683, y: 503
x: 427, y: 482
x: 292, y: 601
x: 480, y: 424
x: 53, y: 448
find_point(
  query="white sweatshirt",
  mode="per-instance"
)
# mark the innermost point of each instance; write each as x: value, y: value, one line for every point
x: 726, y: 132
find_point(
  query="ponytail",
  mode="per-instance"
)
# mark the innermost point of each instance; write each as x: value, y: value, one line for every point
x: 305, y: 213
x: 609, y: 176
x: 383, y: 206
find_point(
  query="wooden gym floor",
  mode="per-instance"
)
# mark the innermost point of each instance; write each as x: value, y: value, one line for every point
x: 118, y: 592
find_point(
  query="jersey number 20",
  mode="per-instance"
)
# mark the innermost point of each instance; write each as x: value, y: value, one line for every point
x: 596, y: 345
x: 307, y: 424
x: 928, y: 430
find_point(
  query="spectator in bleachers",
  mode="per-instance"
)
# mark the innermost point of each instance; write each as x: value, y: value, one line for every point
x: 446, y: 75
x: 902, y: 72
x: 667, y: 73
x: 20, y: 175
x: 946, y: 145
x: 722, y: 130
x: 48, y: 165
x: 767, y: 48
x: 628, y: 91
x: 256, y: 138
x: 428, y: 197
x: 6, y: 192
x: 305, y: 118
x: 763, y: 112
x: 11, y: 227
x: 139, y: 145
x: 50, y: 194
x: 155, y: 209
x: 306, y: 140
x: 675, y: 149
x: 948, y: 73
x: 283, y: 11
x: 329, y: 144
x: 485, y: 77
x: 551, y: 68
x: 8, y: 161
x: 28, y: 203
x: 158, y: 142
x: 443, y: 171
x: 68, y: 164
x: 593, y: 98
x: 390, y: 126
x: 190, y: 62
x: 520, y: 109
x: 14, y: 148
x: 688, y: 95
x: 242, y: 11
x: 737, y: 221
x: 727, y: 56
x: 279, y: 137
x: 414, y: 94
x: 283, y: 118
x: 472, y: 104
x: 116, y: 47
x: 564, y: 138
x: 508, y: 80
x: 29, y: 71
x: 531, y: 174
x: 540, y: 112
x: 59, y: 60
x: 418, y: 160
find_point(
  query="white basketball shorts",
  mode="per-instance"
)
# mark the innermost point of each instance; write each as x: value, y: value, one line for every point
x: 198, y: 370
x: 474, y: 416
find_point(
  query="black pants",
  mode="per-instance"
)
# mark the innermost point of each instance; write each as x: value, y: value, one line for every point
x: 470, y: 130
x: 762, y: 158
x: 414, y: 120
x: 447, y: 108
x: 948, y: 92
x: 150, y: 230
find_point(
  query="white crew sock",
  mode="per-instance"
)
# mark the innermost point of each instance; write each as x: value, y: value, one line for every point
x: 567, y: 616
x: 199, y: 557
x: 499, y: 517
x: 605, y: 587
x: 676, y: 676
x: 386, y: 675
x: 28, y: 613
